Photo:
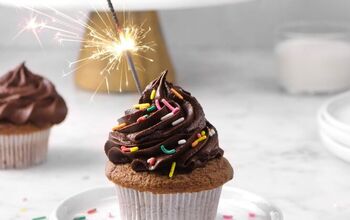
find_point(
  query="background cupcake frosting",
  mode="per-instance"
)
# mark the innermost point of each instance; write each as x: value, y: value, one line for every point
x: 27, y: 98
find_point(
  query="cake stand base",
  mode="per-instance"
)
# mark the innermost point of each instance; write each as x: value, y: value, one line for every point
x: 87, y: 75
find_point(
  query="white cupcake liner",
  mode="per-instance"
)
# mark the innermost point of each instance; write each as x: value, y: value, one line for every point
x: 135, y: 205
x: 23, y: 150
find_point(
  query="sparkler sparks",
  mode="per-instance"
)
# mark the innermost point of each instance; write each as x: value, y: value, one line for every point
x: 106, y: 43
x: 34, y: 26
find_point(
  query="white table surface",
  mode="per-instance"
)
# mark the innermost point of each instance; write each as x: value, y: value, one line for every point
x: 270, y: 137
x: 120, y: 4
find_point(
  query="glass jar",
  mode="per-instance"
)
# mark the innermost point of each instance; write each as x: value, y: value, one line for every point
x: 313, y: 57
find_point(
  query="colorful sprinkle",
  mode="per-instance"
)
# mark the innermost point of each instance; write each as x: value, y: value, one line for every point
x: 39, y: 218
x: 227, y: 217
x: 134, y: 149
x: 196, y: 142
x: 176, y: 110
x: 203, y: 133
x: 167, y: 116
x: 153, y: 94
x: 79, y: 218
x: 212, y: 132
x: 120, y: 126
x: 23, y: 210
x: 251, y: 215
x: 176, y: 93
x: 142, y: 106
x: 178, y: 121
x: 92, y: 211
x: 180, y: 142
x: 167, y: 104
x: 199, y: 135
x: 125, y: 149
x: 172, y: 169
x: 152, y: 108
x: 166, y: 151
x: 151, y: 161
x: 142, y: 118
x: 158, y: 105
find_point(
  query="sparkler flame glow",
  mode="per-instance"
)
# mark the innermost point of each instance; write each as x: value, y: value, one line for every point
x: 104, y: 42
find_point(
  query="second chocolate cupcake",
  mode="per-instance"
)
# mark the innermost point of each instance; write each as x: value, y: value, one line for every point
x: 29, y: 107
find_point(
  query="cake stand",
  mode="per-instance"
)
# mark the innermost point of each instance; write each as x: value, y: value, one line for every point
x: 87, y: 76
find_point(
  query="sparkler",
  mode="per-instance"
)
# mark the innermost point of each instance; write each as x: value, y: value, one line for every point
x: 110, y: 42
x: 127, y: 52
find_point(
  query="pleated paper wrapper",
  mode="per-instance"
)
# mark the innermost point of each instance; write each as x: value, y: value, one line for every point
x: 136, y: 205
x: 23, y: 150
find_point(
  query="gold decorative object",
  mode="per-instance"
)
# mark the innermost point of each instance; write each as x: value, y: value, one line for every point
x: 88, y: 75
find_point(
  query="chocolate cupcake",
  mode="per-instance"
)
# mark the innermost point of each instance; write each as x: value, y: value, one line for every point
x: 29, y: 107
x: 165, y: 159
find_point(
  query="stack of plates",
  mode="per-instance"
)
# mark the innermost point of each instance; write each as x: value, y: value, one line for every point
x: 334, y: 124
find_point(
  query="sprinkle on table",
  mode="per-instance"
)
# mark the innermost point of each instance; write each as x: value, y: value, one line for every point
x: 227, y: 217
x: 152, y: 108
x: 142, y: 106
x: 166, y: 151
x: 40, y: 218
x: 176, y: 93
x: 178, y: 121
x: 80, y: 218
x: 118, y: 127
x: 172, y: 169
x: 23, y: 210
x: 251, y: 215
x: 153, y: 94
x: 91, y: 211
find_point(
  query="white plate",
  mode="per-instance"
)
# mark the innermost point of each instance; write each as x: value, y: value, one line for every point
x: 119, y: 4
x: 235, y: 202
x: 335, y: 147
x: 337, y: 112
x: 335, y: 133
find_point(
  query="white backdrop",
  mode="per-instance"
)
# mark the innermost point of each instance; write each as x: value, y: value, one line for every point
x: 247, y: 25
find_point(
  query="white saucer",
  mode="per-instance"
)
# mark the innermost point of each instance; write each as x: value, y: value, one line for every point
x: 337, y: 112
x: 333, y: 132
x: 236, y: 202
x: 338, y: 149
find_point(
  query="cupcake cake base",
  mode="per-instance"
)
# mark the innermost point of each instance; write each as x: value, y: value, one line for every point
x: 136, y: 205
x: 25, y: 147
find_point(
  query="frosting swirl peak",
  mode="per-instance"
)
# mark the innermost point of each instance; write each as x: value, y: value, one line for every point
x: 26, y: 98
x: 168, y: 127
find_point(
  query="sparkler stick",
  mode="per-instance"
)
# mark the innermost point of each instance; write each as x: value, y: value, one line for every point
x: 127, y: 53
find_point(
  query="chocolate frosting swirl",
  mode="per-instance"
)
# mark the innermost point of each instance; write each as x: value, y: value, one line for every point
x: 26, y: 98
x: 153, y: 132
